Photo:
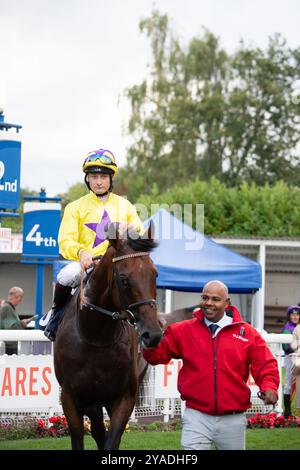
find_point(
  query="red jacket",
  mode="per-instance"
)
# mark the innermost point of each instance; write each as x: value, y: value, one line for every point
x: 213, y: 378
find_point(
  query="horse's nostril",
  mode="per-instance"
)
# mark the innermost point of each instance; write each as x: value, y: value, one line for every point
x: 150, y: 340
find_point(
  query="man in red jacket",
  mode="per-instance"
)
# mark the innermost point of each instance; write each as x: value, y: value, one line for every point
x: 218, y: 349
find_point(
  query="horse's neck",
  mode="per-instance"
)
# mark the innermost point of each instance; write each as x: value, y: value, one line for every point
x: 95, y: 327
x: 98, y: 286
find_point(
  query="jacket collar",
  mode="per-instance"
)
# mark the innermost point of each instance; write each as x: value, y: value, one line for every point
x: 231, y: 310
x: 95, y: 197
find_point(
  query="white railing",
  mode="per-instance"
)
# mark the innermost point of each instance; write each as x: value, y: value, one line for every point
x: 147, y: 405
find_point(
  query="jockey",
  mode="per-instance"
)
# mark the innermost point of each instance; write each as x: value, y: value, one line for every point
x: 82, y: 233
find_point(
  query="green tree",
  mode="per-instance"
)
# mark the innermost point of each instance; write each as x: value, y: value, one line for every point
x: 75, y: 191
x: 203, y: 112
x: 262, y: 120
x: 16, y: 223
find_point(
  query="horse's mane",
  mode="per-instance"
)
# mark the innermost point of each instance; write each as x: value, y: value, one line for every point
x: 141, y: 244
x: 132, y: 237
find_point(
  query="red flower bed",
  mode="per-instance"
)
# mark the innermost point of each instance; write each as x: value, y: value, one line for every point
x: 272, y: 420
x: 56, y: 427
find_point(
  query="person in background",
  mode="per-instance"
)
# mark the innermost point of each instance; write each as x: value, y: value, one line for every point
x: 217, y: 348
x: 82, y: 233
x: 9, y: 318
x: 295, y: 345
x: 293, y: 317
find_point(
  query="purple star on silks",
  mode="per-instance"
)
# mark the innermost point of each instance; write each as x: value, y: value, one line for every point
x: 100, y: 229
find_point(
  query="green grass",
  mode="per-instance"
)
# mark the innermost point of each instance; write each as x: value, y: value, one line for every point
x: 257, y: 439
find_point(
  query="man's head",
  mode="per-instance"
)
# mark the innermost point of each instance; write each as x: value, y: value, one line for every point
x: 99, y: 167
x: 214, y: 300
x: 15, y: 295
x: 293, y: 313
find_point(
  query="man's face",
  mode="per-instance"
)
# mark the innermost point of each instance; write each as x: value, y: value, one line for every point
x: 99, y: 182
x: 17, y: 299
x: 294, y: 318
x: 214, y: 300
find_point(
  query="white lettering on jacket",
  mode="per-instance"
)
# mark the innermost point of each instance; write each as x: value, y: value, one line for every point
x: 240, y: 337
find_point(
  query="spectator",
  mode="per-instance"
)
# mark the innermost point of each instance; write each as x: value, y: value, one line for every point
x: 218, y: 348
x: 9, y: 319
x: 293, y: 316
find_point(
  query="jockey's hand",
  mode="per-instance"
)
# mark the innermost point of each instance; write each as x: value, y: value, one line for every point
x: 269, y: 397
x: 86, y: 260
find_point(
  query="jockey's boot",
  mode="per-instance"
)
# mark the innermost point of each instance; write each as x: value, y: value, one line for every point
x: 287, y: 405
x: 61, y: 296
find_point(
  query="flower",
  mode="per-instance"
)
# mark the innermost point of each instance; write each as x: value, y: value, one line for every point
x: 58, y: 426
x: 272, y: 420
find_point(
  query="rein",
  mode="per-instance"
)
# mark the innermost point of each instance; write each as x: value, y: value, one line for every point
x: 126, y: 314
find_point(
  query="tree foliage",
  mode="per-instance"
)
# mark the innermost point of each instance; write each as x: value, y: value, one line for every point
x: 203, y: 112
x: 75, y: 191
x: 16, y: 223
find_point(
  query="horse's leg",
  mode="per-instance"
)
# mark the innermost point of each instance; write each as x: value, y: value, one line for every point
x: 97, y: 425
x: 75, y: 420
x: 119, y: 415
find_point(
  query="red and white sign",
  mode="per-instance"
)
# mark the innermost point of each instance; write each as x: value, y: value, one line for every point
x: 10, y: 242
x: 5, y: 238
x: 166, y: 376
x: 28, y: 382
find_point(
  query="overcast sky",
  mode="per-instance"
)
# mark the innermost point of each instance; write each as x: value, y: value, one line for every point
x: 65, y: 63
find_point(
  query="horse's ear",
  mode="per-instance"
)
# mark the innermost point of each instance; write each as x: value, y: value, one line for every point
x: 149, y: 232
x: 112, y: 231
x: 113, y: 234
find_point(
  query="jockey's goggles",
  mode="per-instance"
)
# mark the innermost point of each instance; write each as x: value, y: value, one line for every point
x: 99, y: 158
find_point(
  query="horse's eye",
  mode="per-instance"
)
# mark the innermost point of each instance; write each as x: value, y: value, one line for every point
x: 124, y: 281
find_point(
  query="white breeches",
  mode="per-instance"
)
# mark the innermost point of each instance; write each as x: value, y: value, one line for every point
x: 70, y: 275
x: 288, y: 364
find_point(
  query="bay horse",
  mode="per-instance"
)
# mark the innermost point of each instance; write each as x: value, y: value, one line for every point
x: 180, y: 314
x: 96, y: 347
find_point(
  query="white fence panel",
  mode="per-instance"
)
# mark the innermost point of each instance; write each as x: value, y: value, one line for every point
x: 158, y: 395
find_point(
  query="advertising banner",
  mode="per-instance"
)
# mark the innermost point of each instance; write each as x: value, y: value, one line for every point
x: 40, y: 229
x: 10, y: 168
x: 28, y: 382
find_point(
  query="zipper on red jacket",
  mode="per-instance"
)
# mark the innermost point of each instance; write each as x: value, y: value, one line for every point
x: 215, y: 348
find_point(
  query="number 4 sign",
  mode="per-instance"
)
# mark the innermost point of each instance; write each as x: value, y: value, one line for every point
x: 40, y: 229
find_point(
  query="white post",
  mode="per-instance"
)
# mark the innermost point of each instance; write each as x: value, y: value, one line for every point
x: 168, y: 301
x: 259, y: 298
x: 182, y: 407
x: 166, y: 410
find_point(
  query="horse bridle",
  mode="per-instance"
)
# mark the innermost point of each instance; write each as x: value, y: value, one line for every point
x: 126, y: 313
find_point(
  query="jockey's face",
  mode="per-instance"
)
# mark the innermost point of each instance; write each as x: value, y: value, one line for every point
x: 99, y: 182
x: 294, y: 318
x: 214, y: 300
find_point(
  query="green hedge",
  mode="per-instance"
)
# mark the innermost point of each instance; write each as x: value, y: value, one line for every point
x: 247, y: 210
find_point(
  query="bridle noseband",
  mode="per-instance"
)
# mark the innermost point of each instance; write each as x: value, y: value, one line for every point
x: 126, y: 312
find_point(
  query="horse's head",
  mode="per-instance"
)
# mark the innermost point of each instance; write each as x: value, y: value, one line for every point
x: 134, y: 281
